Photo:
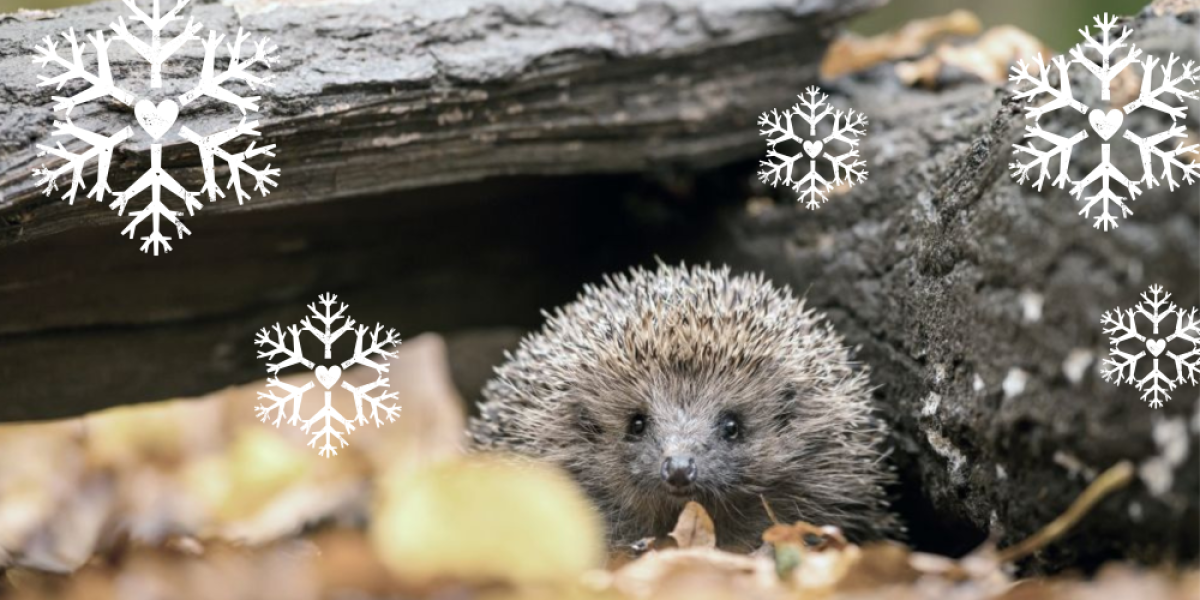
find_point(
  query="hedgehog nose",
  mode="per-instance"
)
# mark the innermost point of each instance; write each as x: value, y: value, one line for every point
x: 679, y: 471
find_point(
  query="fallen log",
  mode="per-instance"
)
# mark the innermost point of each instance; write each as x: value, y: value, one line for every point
x: 977, y: 303
x: 413, y: 104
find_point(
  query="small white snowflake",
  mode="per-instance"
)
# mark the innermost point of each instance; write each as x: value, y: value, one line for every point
x: 780, y: 166
x: 1106, y: 124
x: 1123, y: 328
x: 372, y: 348
x: 157, y: 119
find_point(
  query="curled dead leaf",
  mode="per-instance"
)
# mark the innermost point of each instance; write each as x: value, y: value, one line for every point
x: 1174, y: 7
x: 987, y: 58
x: 851, y: 53
x: 695, y: 528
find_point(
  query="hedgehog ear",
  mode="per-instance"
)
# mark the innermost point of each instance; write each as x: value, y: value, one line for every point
x: 587, y: 424
x: 788, y: 400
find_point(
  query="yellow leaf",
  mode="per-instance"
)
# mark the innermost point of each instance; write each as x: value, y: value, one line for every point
x: 485, y: 519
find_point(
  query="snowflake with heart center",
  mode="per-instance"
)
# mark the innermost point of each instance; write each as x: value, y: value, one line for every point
x: 1159, y: 84
x: 157, y: 119
x: 372, y: 348
x: 835, y: 144
x: 1174, y: 339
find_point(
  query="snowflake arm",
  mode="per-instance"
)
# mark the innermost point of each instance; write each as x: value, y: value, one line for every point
x: 101, y: 83
x: 1041, y: 85
x: 1106, y: 172
x: 1105, y: 71
x: 1121, y: 366
x: 278, y: 344
x: 845, y: 171
x: 1171, y: 159
x: 329, y: 335
x: 362, y: 394
x: 327, y: 431
x: 815, y: 193
x: 379, y: 346
x: 155, y: 179
x: 102, y: 149
x: 156, y: 52
x: 776, y: 168
x: 210, y: 149
x: 778, y: 125
x: 813, y: 104
x: 778, y: 128
x: 1156, y: 394
x: 846, y: 127
x: 1060, y: 146
x: 238, y: 69
x: 1187, y: 364
x: 1156, y: 313
x: 294, y: 395
x: 1149, y: 95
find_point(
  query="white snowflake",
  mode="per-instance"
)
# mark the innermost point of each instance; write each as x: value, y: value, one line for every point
x: 1106, y: 124
x: 157, y: 119
x: 371, y: 353
x: 779, y: 166
x: 1122, y: 327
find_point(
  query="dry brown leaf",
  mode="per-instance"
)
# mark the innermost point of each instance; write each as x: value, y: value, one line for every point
x: 693, y: 572
x: 879, y: 564
x: 806, y: 535
x: 988, y: 57
x: 850, y: 53
x: 695, y: 528
x: 206, y: 467
x: 1174, y: 7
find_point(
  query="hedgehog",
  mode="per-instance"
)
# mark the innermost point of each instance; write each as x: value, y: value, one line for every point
x: 662, y: 386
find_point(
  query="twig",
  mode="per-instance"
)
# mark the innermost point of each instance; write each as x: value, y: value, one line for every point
x: 770, y: 513
x: 1116, y: 477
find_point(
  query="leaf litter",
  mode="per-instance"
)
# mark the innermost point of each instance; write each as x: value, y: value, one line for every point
x: 197, y: 499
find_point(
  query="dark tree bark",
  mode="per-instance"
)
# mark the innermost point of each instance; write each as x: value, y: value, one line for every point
x: 977, y: 304
x: 388, y: 96
x: 391, y: 100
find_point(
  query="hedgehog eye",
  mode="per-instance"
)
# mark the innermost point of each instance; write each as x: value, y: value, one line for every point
x: 731, y: 427
x: 637, y: 424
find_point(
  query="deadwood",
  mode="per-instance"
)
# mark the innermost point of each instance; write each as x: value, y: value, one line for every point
x: 398, y: 95
x: 405, y: 102
x: 977, y: 304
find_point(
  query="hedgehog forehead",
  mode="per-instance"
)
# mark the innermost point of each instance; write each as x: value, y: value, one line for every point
x: 677, y: 325
x: 688, y: 390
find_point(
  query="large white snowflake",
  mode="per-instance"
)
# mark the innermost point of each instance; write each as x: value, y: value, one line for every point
x: 157, y: 119
x: 1123, y: 328
x: 372, y: 348
x: 1106, y: 123
x: 781, y: 163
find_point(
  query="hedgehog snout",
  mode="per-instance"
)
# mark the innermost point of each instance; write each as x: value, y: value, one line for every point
x: 679, y: 471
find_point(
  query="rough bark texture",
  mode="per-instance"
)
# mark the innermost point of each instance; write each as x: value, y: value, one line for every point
x: 397, y: 95
x: 372, y: 99
x: 977, y: 304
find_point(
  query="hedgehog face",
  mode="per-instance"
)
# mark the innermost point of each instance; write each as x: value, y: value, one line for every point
x: 692, y: 440
x: 678, y: 384
x: 685, y: 433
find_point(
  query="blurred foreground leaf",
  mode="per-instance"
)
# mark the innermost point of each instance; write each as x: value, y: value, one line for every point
x: 484, y: 520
